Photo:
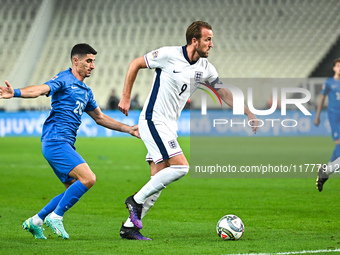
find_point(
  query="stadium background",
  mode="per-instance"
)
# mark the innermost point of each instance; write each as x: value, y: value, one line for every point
x: 252, y: 39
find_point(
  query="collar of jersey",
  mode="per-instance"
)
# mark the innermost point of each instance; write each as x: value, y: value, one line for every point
x: 185, y: 53
x: 78, y: 82
x: 337, y: 80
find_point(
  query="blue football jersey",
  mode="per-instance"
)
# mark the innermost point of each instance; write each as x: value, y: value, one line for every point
x: 332, y: 89
x: 70, y: 98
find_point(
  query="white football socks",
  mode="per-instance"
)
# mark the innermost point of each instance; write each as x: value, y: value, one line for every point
x: 333, y: 166
x: 150, y: 192
x: 160, y: 180
x: 55, y: 216
x: 149, y: 203
x: 36, y: 220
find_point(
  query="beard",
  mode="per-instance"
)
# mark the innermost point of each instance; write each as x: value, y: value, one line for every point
x: 202, y: 54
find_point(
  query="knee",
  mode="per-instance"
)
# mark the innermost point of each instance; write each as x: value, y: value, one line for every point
x: 185, y: 169
x: 181, y: 170
x: 89, y: 181
x: 93, y: 180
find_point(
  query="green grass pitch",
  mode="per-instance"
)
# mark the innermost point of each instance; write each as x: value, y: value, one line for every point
x: 280, y: 214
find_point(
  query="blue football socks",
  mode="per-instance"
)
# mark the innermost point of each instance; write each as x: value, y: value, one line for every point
x: 71, y: 196
x: 50, y: 206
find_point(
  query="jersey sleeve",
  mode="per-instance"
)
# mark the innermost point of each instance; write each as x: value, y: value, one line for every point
x: 91, y: 104
x: 212, y: 77
x: 157, y: 58
x: 55, y: 85
x: 325, y: 88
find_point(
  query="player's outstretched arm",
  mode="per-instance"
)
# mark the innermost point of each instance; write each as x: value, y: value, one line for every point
x: 135, y: 65
x: 252, y: 119
x: 102, y: 119
x: 7, y: 92
x: 27, y: 92
x: 318, y: 111
x: 227, y: 97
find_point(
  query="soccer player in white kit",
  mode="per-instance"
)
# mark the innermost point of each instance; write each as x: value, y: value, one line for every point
x: 175, y: 66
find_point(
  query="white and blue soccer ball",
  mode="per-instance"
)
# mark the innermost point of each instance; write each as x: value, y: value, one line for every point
x: 230, y: 227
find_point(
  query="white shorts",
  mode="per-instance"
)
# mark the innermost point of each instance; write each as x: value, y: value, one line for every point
x: 159, y: 140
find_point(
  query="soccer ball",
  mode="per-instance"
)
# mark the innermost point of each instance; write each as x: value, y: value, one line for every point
x: 230, y: 227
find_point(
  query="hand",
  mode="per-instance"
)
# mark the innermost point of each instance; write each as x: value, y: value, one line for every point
x: 134, y: 131
x: 317, y: 121
x: 6, y: 92
x: 124, y: 105
x: 253, y: 121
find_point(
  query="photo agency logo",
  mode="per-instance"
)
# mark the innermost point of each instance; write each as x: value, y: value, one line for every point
x: 301, y: 97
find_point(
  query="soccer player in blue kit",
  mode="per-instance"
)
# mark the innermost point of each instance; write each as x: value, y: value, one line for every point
x: 70, y: 98
x: 332, y: 89
x: 174, y: 67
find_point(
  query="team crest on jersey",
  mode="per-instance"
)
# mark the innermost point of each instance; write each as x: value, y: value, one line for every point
x: 173, y: 144
x: 198, y: 76
x: 154, y: 54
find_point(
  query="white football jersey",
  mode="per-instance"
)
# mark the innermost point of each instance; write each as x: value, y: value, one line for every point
x: 171, y: 85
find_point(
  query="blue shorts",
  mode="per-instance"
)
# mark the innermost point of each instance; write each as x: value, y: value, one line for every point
x: 334, y: 122
x: 62, y: 157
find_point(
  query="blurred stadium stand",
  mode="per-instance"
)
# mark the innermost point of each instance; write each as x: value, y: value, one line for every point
x: 325, y: 67
x: 252, y: 38
x: 16, y: 19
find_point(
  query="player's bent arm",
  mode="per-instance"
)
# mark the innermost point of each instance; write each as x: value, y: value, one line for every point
x: 103, y: 120
x: 227, y: 97
x: 318, y: 111
x: 134, y: 67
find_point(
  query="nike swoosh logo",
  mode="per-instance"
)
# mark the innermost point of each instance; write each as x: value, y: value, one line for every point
x: 174, y: 71
x: 73, y: 87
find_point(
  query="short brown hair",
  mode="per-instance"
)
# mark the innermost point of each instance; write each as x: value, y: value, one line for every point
x: 194, y: 30
x: 336, y: 61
